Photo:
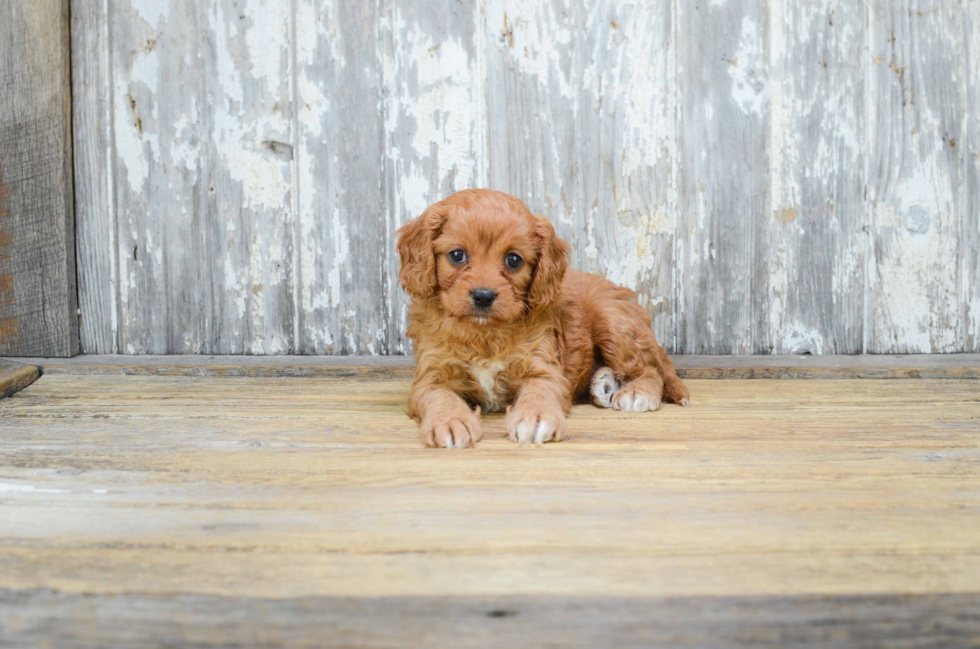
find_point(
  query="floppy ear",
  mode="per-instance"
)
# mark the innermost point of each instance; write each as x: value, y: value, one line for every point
x: 418, y: 271
x: 551, y: 266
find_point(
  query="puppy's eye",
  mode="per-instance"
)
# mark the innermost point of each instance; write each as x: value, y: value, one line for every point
x: 513, y: 261
x: 457, y: 257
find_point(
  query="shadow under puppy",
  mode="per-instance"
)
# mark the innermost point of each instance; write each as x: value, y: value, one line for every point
x: 499, y: 321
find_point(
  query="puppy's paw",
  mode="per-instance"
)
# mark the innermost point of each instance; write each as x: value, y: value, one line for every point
x: 676, y: 391
x: 459, y: 430
x: 533, y: 425
x: 604, y: 385
x: 635, y: 397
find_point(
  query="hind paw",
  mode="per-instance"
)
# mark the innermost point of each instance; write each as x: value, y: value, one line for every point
x: 604, y: 386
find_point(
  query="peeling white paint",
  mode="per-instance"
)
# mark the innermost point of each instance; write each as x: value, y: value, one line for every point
x: 542, y: 36
x: 239, y: 136
x: 596, y: 149
x: 433, y: 95
x: 134, y: 142
x: 341, y: 251
x: 152, y: 11
x: 799, y: 339
x: 748, y: 69
x: 639, y: 260
x: 264, y: 33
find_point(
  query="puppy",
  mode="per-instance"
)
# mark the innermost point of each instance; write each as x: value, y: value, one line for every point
x: 499, y: 322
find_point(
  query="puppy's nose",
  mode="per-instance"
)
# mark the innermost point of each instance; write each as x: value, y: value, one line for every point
x: 483, y: 297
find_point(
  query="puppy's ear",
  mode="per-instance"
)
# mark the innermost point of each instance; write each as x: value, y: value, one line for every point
x: 418, y: 271
x: 551, y: 266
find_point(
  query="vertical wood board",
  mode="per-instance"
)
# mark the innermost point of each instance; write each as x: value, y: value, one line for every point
x: 95, y: 218
x: 970, y: 238
x: 435, y: 122
x: 916, y: 175
x: 341, y: 217
x: 582, y: 127
x: 818, y: 221
x: 724, y: 205
x: 38, y: 296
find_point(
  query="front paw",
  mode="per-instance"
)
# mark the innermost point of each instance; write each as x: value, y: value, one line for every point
x: 534, y: 425
x: 636, y: 396
x: 457, y: 429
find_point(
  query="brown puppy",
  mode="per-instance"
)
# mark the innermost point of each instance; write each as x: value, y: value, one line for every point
x: 498, y: 322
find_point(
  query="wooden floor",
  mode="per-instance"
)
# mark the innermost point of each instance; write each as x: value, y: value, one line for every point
x: 206, y: 511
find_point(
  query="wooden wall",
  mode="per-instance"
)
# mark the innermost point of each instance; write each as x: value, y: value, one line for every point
x: 38, y: 297
x: 773, y: 176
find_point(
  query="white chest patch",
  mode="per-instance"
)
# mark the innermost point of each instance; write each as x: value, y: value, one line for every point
x: 486, y: 375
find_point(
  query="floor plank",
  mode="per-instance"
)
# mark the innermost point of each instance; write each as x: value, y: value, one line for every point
x: 35, y: 618
x: 142, y: 493
x: 14, y: 377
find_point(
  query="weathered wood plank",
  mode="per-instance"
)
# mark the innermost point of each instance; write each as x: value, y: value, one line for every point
x: 916, y: 175
x: 819, y: 218
x: 970, y: 237
x: 38, y: 294
x: 203, y: 132
x: 713, y: 156
x: 164, y: 189
x: 251, y: 488
x: 341, y: 223
x: 582, y: 127
x: 433, y: 77
x: 928, y: 366
x: 250, y: 156
x: 45, y: 618
x: 14, y: 377
x: 724, y: 204
x: 95, y: 217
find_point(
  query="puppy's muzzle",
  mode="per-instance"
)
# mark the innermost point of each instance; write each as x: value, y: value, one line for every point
x: 483, y: 298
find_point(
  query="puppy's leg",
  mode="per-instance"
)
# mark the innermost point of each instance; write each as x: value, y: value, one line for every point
x: 603, y: 386
x: 625, y: 338
x: 538, y: 415
x: 445, y: 421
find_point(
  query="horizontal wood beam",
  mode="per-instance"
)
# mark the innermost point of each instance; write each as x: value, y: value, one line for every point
x: 927, y: 366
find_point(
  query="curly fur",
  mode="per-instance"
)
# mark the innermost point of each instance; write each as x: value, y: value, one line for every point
x: 550, y: 332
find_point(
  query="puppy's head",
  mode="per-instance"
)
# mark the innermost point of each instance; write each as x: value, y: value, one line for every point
x: 484, y: 255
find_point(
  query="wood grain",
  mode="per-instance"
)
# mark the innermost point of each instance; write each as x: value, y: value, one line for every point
x: 916, y: 175
x: 585, y: 133
x: 61, y: 619
x: 819, y: 214
x: 724, y: 202
x: 970, y: 237
x: 946, y: 366
x: 249, y: 158
x: 95, y: 219
x: 342, y: 300
x: 163, y: 185
x: 433, y: 77
x: 766, y: 503
x: 14, y: 377
x: 38, y: 296
x: 770, y: 176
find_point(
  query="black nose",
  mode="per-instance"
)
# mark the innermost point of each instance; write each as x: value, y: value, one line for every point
x: 483, y: 297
